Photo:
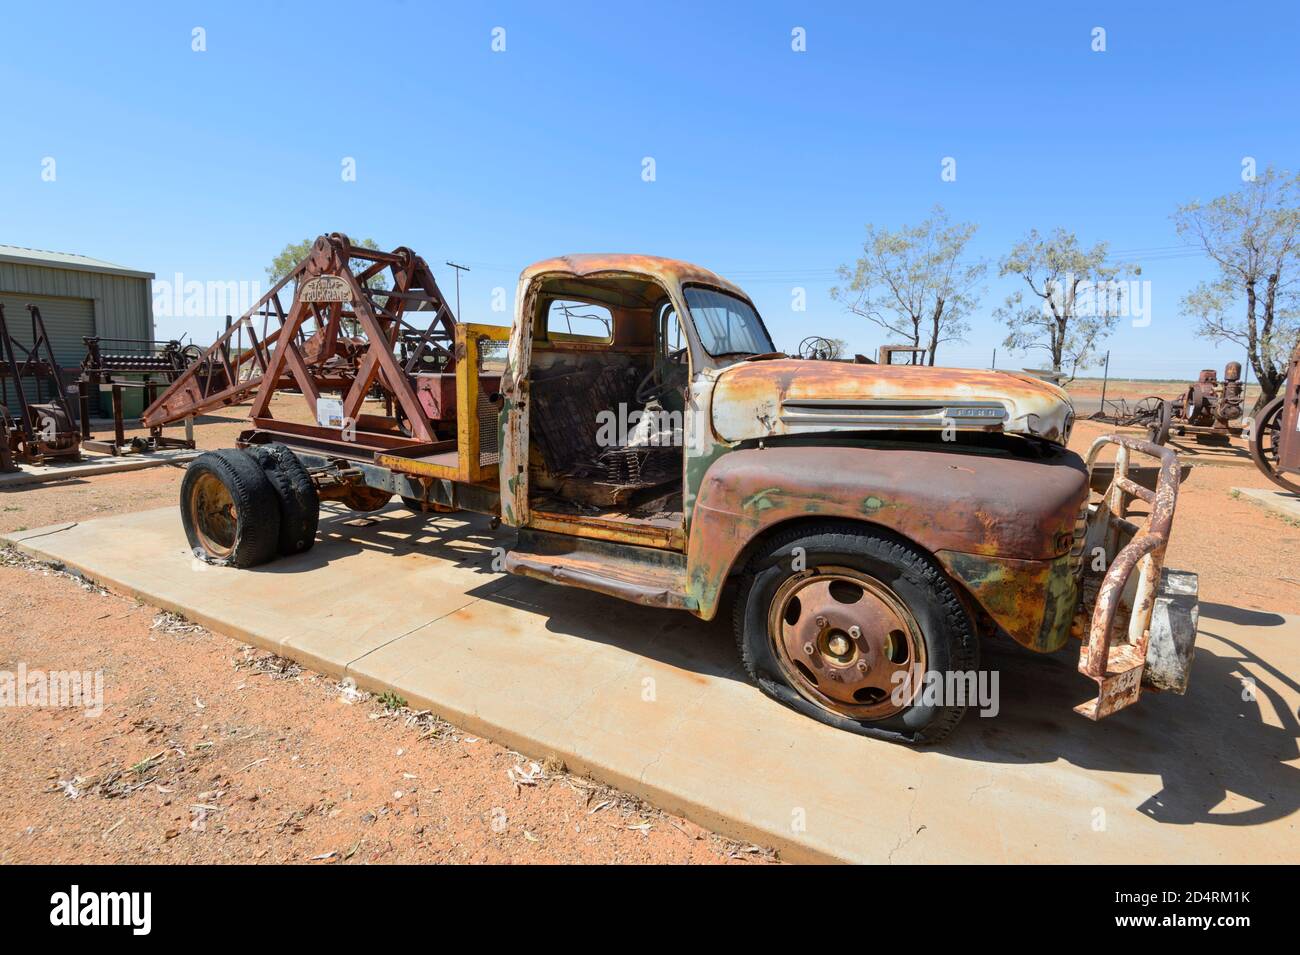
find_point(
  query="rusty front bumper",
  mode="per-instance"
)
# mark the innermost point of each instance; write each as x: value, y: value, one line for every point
x: 1142, y: 628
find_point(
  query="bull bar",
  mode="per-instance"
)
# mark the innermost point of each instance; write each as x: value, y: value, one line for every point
x: 1115, y: 656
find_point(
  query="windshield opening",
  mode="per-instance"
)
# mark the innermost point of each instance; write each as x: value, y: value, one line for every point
x: 726, y: 324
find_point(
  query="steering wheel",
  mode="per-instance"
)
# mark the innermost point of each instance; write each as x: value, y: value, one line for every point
x: 653, y: 385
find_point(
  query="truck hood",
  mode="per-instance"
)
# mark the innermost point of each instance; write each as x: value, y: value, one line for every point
x: 758, y: 399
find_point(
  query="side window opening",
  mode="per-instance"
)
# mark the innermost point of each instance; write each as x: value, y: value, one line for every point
x: 566, y: 318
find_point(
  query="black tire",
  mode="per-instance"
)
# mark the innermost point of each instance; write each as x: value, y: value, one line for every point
x: 244, y: 534
x: 915, y: 579
x: 299, y: 500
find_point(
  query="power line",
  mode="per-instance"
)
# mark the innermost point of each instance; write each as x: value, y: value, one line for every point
x: 772, y: 275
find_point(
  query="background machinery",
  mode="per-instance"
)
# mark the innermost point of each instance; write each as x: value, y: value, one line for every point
x: 33, y: 431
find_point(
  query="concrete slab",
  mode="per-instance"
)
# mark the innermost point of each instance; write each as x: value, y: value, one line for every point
x: 91, y: 465
x: 1278, y: 501
x: 655, y: 702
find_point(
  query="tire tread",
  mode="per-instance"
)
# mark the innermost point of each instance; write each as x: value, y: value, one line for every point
x: 297, y: 496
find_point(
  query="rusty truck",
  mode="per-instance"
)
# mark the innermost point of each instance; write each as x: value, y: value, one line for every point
x: 638, y: 431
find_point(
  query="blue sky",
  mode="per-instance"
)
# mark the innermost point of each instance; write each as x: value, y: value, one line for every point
x: 769, y: 163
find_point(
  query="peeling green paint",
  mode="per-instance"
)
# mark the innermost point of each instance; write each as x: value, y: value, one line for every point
x: 760, y: 500
x: 1060, y: 601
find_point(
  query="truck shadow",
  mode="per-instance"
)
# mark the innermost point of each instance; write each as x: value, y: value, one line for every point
x: 1222, y: 752
x: 673, y: 638
x: 393, y: 531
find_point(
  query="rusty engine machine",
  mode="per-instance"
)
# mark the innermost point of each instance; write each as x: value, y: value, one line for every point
x: 1209, y: 410
x: 107, y: 363
x: 1275, y: 439
x: 32, y: 432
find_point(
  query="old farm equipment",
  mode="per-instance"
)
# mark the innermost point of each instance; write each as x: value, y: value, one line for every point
x: 347, y: 325
x: 873, y: 521
x: 1151, y: 413
x: 909, y: 355
x: 1209, y: 410
x: 1275, y: 437
x: 333, y: 344
x: 915, y: 354
x: 33, y: 431
x: 817, y: 348
x: 116, y: 365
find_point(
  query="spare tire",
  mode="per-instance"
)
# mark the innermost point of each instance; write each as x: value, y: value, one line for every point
x: 229, y: 509
x: 363, y: 497
x: 297, y: 496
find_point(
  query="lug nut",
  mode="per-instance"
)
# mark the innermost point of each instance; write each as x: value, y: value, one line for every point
x: 808, y: 649
x: 855, y: 632
x: 862, y: 666
x: 821, y: 622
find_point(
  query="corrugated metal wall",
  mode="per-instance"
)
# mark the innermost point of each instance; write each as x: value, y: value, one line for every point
x: 122, y: 307
x: 123, y: 304
x: 67, y: 321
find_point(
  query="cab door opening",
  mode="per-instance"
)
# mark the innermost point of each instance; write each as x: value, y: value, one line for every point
x: 608, y: 374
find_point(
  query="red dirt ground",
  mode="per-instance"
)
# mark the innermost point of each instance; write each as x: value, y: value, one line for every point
x: 210, y: 751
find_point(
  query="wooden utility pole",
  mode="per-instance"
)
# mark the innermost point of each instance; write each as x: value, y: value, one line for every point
x: 459, y: 269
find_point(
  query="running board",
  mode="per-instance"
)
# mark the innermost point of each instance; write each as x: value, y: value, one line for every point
x: 643, y: 575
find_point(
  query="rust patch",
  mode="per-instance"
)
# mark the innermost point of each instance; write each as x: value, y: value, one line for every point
x: 1032, y: 600
x: 788, y: 396
x: 1015, y: 508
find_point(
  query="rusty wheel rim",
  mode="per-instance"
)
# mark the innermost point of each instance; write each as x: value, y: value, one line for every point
x: 214, y: 516
x: 1265, y: 447
x: 847, y: 643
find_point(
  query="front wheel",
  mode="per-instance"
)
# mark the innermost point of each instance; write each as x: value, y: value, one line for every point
x: 851, y: 626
